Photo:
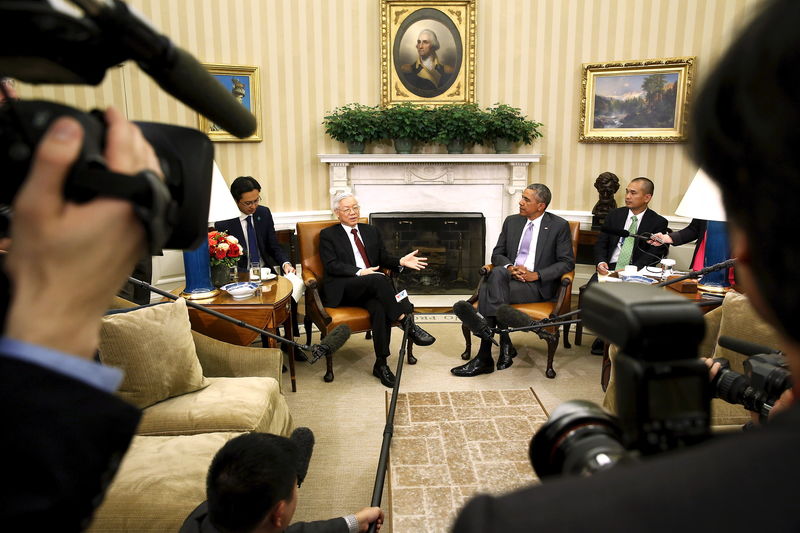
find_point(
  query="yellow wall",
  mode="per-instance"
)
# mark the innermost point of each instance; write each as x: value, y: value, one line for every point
x: 315, y: 55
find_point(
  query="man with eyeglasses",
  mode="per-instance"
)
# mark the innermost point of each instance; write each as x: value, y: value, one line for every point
x: 352, y: 255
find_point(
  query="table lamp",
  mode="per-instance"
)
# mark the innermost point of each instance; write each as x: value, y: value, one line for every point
x: 196, y: 263
x: 703, y: 200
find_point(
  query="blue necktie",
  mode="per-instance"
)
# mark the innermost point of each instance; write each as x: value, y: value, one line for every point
x: 252, y: 244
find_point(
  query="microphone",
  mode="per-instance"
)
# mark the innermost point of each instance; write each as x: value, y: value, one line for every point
x: 474, y: 321
x: 303, y: 438
x: 625, y: 233
x: 702, y: 272
x: 744, y: 347
x: 331, y: 343
x: 513, y: 318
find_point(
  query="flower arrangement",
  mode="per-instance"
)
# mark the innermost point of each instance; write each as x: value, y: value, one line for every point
x: 223, y: 248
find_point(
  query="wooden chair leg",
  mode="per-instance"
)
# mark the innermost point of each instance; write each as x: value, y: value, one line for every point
x: 467, y: 353
x: 552, y: 345
x: 307, y: 325
x: 329, y: 373
x: 410, y: 353
x: 567, y: 345
x: 368, y: 336
x: 579, y: 325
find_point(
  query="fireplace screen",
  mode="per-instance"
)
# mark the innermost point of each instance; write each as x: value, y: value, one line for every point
x: 452, y: 242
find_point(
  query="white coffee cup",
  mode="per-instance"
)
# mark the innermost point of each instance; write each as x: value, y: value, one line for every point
x: 631, y: 269
x: 265, y: 272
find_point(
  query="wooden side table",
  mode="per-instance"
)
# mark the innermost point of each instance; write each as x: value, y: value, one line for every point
x: 268, y: 309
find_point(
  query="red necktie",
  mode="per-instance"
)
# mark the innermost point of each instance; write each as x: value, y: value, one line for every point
x: 360, y: 246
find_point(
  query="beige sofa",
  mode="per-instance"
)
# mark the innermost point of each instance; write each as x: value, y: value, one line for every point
x: 734, y: 318
x: 195, y: 393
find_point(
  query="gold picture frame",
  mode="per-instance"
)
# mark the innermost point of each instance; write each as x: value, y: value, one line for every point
x: 244, y: 84
x: 447, y: 74
x: 636, y: 101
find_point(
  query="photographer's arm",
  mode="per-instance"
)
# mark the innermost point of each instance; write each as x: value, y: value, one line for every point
x: 68, y: 260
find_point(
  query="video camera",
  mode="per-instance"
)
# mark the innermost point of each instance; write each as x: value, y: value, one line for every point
x: 43, y: 43
x: 663, y: 393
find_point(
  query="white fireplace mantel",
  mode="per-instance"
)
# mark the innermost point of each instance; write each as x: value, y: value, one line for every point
x: 486, y: 183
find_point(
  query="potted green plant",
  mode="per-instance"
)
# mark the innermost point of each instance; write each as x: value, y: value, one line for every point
x: 353, y: 124
x: 506, y: 125
x: 406, y: 124
x: 459, y: 125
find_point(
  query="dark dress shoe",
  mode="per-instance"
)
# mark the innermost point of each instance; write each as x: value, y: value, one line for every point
x: 384, y: 374
x: 418, y: 336
x: 505, y: 360
x: 598, y: 346
x: 475, y: 367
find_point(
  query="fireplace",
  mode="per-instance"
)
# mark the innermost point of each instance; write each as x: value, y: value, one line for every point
x: 454, y: 244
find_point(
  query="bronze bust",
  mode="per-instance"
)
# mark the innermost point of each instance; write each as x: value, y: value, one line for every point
x: 607, y: 184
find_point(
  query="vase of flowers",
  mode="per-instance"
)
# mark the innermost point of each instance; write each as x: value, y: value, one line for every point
x: 225, y: 252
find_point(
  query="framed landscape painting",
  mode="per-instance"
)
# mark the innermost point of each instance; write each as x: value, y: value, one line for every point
x: 428, y: 51
x: 242, y: 82
x: 636, y: 101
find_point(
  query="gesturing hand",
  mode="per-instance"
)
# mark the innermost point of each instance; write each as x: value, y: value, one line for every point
x: 368, y: 271
x: 413, y: 262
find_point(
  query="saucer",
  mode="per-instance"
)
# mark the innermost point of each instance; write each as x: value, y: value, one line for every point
x: 269, y: 277
x: 241, y: 289
x: 639, y: 279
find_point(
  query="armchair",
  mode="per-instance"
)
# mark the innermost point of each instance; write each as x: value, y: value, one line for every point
x: 538, y: 310
x: 327, y: 318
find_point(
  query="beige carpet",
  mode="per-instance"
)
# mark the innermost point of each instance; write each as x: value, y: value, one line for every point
x: 348, y: 415
x: 449, y: 446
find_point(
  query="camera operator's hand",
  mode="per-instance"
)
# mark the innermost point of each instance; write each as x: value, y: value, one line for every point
x: 368, y: 515
x: 68, y: 260
x: 713, y: 367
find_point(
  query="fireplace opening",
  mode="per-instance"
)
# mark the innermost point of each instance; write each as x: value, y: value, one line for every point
x: 454, y: 244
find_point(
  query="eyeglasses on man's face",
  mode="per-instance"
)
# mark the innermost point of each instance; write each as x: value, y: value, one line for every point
x: 251, y: 203
x: 350, y: 210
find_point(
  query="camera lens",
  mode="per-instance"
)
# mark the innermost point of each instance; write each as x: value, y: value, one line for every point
x: 580, y: 438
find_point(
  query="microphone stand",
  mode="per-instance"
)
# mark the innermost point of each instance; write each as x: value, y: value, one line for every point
x: 388, y: 429
x: 240, y: 323
x: 697, y: 273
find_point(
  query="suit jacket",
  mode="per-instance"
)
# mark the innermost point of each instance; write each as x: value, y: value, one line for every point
x: 651, y: 222
x: 198, y: 522
x: 554, y: 256
x: 268, y: 246
x: 62, y: 444
x: 339, y: 261
x: 696, y: 230
x: 661, y: 493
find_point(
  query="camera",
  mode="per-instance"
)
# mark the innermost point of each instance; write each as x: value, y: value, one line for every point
x: 663, y: 396
x: 766, y: 376
x: 50, y: 43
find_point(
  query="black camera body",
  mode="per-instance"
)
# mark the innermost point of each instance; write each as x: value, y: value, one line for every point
x: 766, y: 376
x: 663, y: 397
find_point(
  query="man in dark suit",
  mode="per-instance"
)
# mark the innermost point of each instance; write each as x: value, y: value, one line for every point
x: 64, y: 430
x: 352, y: 255
x: 252, y: 486
x: 255, y: 220
x: 757, y: 165
x: 532, y: 253
x: 615, y: 253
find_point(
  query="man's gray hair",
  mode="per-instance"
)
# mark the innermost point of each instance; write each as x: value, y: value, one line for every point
x: 434, y: 39
x: 341, y: 196
x: 542, y: 192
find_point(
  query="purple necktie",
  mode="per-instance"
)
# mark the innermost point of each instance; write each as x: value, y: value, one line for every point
x: 525, y: 245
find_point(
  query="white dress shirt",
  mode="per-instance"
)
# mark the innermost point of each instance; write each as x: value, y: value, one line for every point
x: 359, y: 260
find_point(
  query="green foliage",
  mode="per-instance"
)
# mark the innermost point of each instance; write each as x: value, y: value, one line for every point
x: 408, y: 121
x: 465, y: 122
x: 353, y: 123
x: 506, y: 122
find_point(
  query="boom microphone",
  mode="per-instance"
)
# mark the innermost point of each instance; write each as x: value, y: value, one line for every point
x: 304, y: 440
x: 625, y: 233
x: 331, y: 343
x: 513, y: 318
x: 467, y: 314
x: 744, y: 347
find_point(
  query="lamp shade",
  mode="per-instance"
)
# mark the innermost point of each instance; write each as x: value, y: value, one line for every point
x: 702, y: 200
x: 222, y: 205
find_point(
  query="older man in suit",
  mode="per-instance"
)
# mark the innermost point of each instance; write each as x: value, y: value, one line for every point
x: 532, y: 253
x: 352, y: 255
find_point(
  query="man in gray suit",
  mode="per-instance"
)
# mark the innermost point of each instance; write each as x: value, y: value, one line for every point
x: 532, y: 253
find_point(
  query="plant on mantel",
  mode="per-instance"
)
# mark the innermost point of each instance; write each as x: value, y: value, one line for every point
x: 353, y: 124
x: 406, y: 124
x: 506, y: 125
x: 459, y: 125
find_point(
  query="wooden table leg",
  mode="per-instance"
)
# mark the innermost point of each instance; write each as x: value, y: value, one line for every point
x: 287, y: 334
x: 605, y: 368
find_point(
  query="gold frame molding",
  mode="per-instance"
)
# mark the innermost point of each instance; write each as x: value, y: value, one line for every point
x: 456, y: 21
x: 683, y: 66
x: 234, y: 71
